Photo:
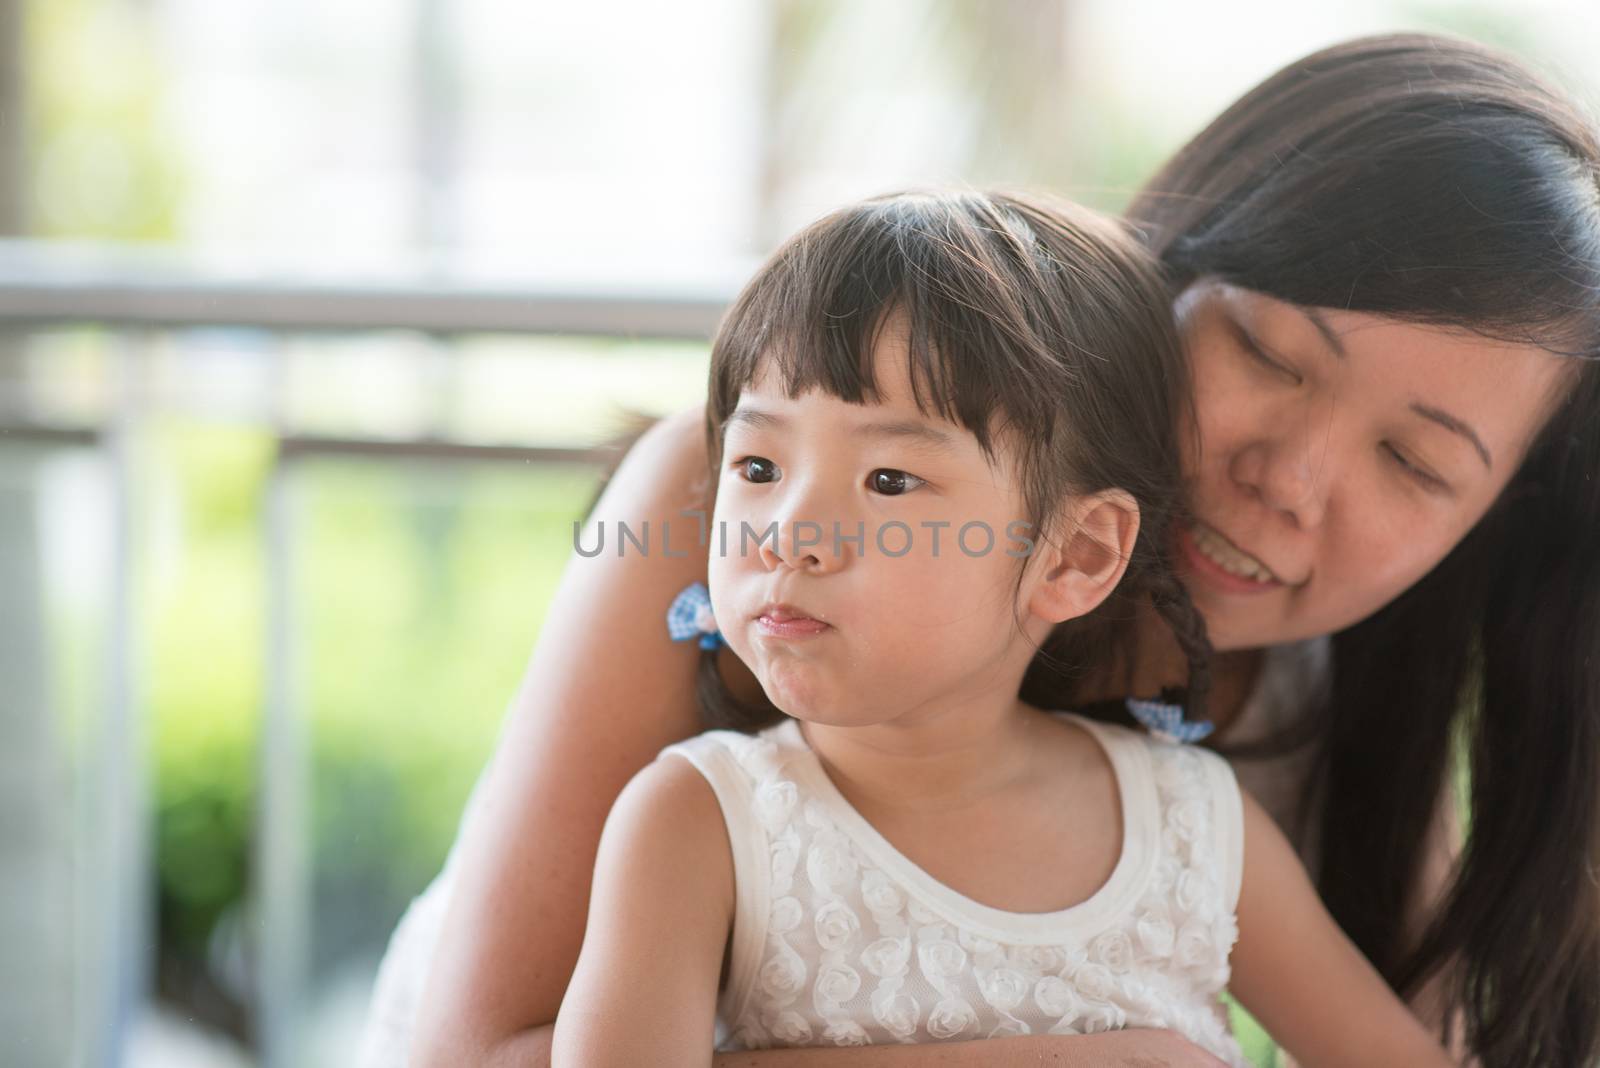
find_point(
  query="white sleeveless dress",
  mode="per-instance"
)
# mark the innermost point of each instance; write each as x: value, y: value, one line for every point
x: 839, y: 939
x: 1291, y: 676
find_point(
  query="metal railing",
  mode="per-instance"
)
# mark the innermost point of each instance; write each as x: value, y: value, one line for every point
x: 46, y: 285
x: 141, y: 294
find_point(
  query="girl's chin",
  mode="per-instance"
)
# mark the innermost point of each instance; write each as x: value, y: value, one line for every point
x: 797, y: 697
x: 823, y: 706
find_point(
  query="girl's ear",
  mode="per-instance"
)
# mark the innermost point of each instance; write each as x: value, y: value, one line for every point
x: 1082, y: 568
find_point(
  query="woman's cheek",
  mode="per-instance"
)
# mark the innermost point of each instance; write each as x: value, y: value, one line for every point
x: 1220, y: 403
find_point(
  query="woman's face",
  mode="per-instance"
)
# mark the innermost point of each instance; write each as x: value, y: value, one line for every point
x: 1339, y: 456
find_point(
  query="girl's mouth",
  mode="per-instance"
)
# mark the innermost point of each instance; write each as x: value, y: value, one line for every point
x: 1225, y: 564
x: 787, y: 621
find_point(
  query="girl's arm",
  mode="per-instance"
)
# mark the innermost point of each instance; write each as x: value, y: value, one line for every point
x: 1303, y: 979
x: 645, y: 989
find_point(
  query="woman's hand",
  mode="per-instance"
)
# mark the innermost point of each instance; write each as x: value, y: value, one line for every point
x: 1133, y: 1048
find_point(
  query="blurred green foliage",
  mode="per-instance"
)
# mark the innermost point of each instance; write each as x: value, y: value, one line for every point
x: 421, y: 592
x: 103, y: 165
x: 1254, y: 1041
x: 416, y: 595
x: 204, y: 591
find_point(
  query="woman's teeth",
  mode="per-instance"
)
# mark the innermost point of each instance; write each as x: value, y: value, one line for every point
x: 1216, y: 549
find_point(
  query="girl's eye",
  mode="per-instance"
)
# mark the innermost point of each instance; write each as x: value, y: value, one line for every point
x: 1428, y: 479
x: 892, y: 483
x: 758, y: 469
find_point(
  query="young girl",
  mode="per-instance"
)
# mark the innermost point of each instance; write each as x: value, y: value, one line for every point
x: 944, y: 426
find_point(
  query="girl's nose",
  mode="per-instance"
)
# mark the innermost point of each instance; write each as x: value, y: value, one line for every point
x: 802, y: 545
x: 810, y: 536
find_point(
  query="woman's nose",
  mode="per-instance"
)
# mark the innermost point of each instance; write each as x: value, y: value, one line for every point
x: 1291, y: 472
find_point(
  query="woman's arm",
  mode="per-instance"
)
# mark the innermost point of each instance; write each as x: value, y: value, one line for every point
x: 1137, y: 1048
x: 1108, y: 1049
x: 605, y: 691
x: 1303, y: 979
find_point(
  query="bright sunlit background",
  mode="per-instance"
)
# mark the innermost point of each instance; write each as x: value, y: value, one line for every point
x: 315, y: 316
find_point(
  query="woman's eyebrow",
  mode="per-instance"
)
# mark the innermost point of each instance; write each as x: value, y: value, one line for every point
x: 1325, y: 330
x: 1456, y: 426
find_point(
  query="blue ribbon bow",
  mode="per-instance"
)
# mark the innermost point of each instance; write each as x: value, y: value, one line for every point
x: 689, y: 616
x: 1166, y: 721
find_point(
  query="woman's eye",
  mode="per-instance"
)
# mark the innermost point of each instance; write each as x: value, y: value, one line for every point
x: 758, y: 469
x: 1268, y: 362
x: 1427, y: 478
x: 1259, y: 356
x: 892, y: 483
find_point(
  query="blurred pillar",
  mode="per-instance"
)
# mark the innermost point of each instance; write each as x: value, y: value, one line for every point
x: 37, y: 839
x: 436, y: 125
x: 1018, y: 70
x: 1006, y: 60
x: 13, y: 125
x: 784, y: 50
x: 36, y: 799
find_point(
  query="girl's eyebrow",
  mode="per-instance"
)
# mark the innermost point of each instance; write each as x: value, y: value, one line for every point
x: 906, y: 430
x: 911, y: 432
x: 754, y: 418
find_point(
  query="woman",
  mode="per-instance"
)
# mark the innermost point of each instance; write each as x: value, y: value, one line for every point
x: 1386, y: 265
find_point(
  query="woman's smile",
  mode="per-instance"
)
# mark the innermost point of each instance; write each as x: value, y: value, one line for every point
x: 1214, y: 559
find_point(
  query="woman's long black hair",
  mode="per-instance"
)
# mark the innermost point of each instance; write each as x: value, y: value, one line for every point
x: 1439, y: 182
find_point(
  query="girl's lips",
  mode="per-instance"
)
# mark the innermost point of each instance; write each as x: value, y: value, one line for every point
x: 783, y: 621
x: 1199, y: 564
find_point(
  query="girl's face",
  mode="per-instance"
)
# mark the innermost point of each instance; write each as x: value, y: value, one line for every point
x: 846, y: 632
x: 1340, y: 456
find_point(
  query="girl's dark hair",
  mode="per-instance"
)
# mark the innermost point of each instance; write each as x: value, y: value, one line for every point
x: 1439, y: 182
x: 1028, y: 319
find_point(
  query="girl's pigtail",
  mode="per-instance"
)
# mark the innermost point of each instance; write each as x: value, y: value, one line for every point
x: 1171, y: 601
